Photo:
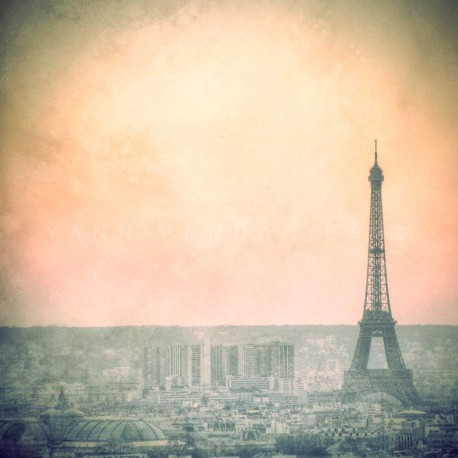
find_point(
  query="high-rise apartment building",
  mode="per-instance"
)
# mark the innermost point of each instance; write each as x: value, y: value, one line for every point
x: 224, y: 362
x: 195, y: 372
x: 185, y: 362
x: 274, y: 359
x: 248, y: 360
x: 152, y: 362
x: 286, y: 361
x: 177, y: 362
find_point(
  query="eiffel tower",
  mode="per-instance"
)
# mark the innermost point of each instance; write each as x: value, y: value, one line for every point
x: 377, y: 320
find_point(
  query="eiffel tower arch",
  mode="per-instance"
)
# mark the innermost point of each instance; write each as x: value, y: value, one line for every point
x: 377, y: 319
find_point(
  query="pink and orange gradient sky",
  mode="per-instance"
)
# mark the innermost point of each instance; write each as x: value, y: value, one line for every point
x: 206, y: 162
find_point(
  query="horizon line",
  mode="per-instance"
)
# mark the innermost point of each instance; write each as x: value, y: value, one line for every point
x: 201, y: 325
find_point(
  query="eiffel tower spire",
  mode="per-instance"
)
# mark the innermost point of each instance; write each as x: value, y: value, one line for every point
x: 377, y: 319
x: 377, y: 299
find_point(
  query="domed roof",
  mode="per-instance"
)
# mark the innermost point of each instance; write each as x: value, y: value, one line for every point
x: 120, y: 430
x: 29, y: 432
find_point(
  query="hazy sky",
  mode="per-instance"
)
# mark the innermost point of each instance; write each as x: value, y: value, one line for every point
x: 206, y: 162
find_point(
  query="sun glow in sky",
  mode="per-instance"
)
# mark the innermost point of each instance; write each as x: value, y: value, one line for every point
x: 206, y: 162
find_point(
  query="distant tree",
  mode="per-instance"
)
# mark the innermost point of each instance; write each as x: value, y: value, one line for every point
x: 204, y: 400
x: 302, y: 444
x: 357, y: 446
x: 158, y: 453
x: 248, y: 451
x: 200, y: 453
x: 180, y: 444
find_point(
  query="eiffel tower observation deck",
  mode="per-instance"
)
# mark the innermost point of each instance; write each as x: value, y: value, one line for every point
x: 377, y: 319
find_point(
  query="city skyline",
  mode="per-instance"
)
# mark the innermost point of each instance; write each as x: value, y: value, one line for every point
x: 215, y: 365
x: 205, y: 163
x: 68, y: 391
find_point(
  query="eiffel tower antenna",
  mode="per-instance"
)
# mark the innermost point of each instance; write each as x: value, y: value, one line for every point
x: 377, y: 319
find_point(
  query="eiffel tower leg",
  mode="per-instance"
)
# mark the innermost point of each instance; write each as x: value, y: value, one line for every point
x: 392, y: 350
x: 362, y: 350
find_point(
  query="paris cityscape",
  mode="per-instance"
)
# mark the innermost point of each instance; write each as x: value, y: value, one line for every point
x: 207, y: 394
x: 201, y: 392
x: 195, y: 261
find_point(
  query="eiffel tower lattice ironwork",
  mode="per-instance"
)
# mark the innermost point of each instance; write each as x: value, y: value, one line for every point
x: 377, y: 319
